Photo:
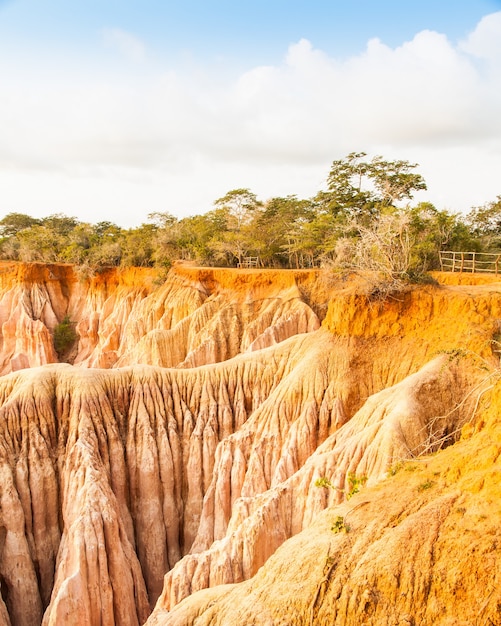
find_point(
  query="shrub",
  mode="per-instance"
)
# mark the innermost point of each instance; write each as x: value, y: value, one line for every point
x: 426, y: 485
x: 64, y: 336
x: 355, y: 482
x: 340, y: 526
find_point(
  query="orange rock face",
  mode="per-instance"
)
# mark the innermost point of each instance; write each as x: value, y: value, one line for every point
x: 191, y: 461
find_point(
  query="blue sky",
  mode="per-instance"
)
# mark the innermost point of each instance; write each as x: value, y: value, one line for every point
x: 112, y: 109
x: 251, y: 31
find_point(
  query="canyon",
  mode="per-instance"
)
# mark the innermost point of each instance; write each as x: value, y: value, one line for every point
x: 223, y: 446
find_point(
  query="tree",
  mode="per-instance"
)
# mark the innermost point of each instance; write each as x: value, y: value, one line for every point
x: 362, y: 188
x: 106, y: 244
x: 60, y: 223
x: 345, y: 184
x: 274, y: 227
x: 40, y: 243
x: 138, y: 246
x: 189, y: 238
x: 394, y: 180
x: 162, y: 220
x: 485, y: 223
x: 106, y: 229
x: 79, y: 242
x: 306, y: 239
x: 240, y: 205
x: 12, y: 223
x: 433, y: 230
x: 231, y: 246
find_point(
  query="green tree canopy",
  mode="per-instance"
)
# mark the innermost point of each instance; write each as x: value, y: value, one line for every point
x: 60, y: 223
x: 240, y: 205
x: 394, y: 180
x: 485, y: 222
x: 362, y: 188
x: 12, y: 223
x: 283, y: 231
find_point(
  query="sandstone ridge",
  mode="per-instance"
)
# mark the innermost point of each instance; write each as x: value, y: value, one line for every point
x: 174, y: 466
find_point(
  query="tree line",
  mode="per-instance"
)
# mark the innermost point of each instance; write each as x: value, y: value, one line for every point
x: 363, y: 218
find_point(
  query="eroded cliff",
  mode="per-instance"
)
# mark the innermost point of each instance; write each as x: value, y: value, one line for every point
x: 183, y: 448
x: 129, y: 316
x: 423, y: 547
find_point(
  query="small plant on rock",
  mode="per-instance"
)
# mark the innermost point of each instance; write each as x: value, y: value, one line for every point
x: 340, y: 525
x: 324, y: 482
x: 395, y: 468
x: 355, y: 482
x: 426, y: 485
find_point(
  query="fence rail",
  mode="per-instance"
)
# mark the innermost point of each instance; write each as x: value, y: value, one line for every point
x: 451, y: 261
x: 249, y: 261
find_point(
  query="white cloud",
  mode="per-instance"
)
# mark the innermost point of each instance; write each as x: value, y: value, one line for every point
x: 178, y: 139
x: 484, y: 41
x: 125, y: 43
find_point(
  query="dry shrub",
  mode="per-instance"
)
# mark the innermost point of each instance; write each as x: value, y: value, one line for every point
x: 382, y: 251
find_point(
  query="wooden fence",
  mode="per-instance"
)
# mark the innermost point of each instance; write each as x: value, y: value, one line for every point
x: 249, y: 261
x: 451, y: 261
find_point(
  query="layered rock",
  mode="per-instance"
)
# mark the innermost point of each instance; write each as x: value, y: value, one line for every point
x: 34, y: 299
x: 124, y: 317
x: 420, y: 548
x: 113, y: 478
x: 104, y: 474
x: 397, y: 423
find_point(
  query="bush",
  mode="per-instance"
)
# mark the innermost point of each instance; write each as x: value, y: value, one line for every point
x: 355, y: 482
x: 340, y: 526
x: 385, y: 251
x: 64, y: 336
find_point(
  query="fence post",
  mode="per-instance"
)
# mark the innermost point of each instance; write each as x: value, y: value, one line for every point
x: 481, y: 261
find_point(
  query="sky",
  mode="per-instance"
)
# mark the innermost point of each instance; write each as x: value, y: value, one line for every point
x: 114, y: 109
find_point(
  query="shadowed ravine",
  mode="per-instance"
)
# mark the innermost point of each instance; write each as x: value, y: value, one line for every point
x: 180, y: 449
